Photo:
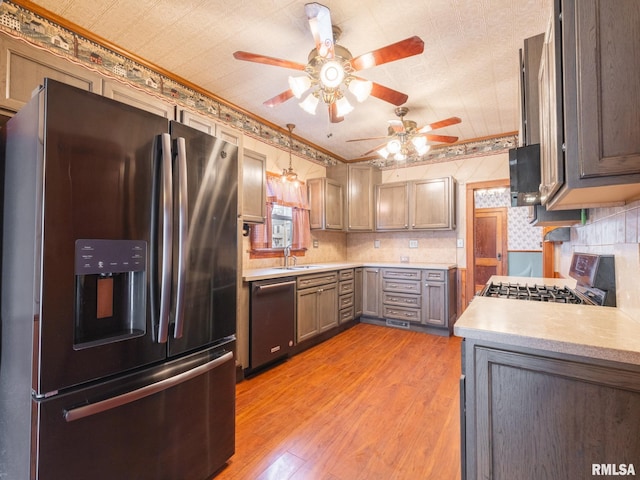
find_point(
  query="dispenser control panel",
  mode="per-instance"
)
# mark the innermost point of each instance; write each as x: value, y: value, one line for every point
x: 97, y: 256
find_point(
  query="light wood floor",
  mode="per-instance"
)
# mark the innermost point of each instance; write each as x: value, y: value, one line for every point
x: 371, y: 403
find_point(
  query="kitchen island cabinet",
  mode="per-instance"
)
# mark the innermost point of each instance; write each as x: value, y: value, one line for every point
x: 548, y: 390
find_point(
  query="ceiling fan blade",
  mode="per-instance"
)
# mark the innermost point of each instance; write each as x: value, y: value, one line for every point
x: 441, y: 138
x: 278, y: 99
x: 320, y: 23
x: 363, y: 139
x: 388, y: 94
x: 396, y: 51
x: 374, y: 149
x: 440, y: 124
x: 333, y: 113
x: 277, y: 62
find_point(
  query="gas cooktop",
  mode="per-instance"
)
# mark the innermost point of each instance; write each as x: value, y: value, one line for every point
x: 539, y: 293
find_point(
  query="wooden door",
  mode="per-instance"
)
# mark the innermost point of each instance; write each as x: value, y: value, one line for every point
x: 489, y: 244
x: 431, y: 203
x: 392, y: 206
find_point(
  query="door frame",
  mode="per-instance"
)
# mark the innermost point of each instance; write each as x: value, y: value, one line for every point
x: 470, y: 218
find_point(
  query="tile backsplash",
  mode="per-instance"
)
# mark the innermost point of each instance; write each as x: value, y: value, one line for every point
x: 612, y: 231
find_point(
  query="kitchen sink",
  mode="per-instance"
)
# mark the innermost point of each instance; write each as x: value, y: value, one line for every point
x: 299, y: 267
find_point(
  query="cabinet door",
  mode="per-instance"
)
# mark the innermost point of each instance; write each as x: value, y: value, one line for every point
x: 551, y: 123
x: 434, y: 297
x: 360, y: 206
x: 392, y: 202
x: 432, y: 203
x: 24, y: 68
x: 254, y: 186
x: 371, y: 292
x: 357, y: 294
x: 327, y: 304
x: 307, y: 320
x: 144, y: 101
x: 315, y: 194
x: 608, y: 101
x: 199, y: 122
x: 334, y: 205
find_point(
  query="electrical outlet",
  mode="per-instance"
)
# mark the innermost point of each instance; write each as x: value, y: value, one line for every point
x: 460, y: 242
x: 413, y: 243
x: 404, y: 259
x: 376, y: 244
x: 315, y: 243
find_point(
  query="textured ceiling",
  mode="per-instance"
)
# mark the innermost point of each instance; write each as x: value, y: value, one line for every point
x: 469, y: 67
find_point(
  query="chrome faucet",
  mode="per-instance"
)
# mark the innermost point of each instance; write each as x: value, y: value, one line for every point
x: 287, y: 254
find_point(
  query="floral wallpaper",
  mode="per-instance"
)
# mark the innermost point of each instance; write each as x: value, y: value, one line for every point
x: 522, y: 235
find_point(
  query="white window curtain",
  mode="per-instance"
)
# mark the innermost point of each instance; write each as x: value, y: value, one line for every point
x: 291, y: 195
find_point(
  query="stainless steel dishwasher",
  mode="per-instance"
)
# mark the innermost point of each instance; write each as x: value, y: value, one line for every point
x: 272, y: 321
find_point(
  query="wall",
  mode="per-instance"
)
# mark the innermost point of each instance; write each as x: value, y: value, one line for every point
x: 610, y: 231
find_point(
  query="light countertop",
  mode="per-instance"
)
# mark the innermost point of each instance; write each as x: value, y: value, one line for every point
x: 251, y: 275
x: 586, y: 330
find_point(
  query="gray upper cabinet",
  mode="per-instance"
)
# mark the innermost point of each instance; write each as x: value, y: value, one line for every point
x: 326, y: 204
x: 144, y: 101
x: 433, y: 204
x: 392, y: 206
x: 24, y: 68
x: 417, y: 205
x: 360, y: 181
x: 199, y: 122
x: 254, y: 188
x: 596, y: 61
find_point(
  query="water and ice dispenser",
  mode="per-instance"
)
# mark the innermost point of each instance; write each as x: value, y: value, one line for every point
x: 110, y: 291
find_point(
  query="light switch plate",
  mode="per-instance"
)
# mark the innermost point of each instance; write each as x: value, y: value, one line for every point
x: 413, y: 243
x: 460, y: 242
x: 376, y: 244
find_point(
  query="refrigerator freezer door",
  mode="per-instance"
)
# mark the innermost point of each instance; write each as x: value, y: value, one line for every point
x: 211, y: 268
x: 164, y: 423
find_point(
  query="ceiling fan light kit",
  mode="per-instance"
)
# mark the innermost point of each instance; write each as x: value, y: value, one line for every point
x: 405, y: 141
x: 330, y: 71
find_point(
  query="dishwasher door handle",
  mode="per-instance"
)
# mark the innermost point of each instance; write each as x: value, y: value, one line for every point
x: 274, y: 285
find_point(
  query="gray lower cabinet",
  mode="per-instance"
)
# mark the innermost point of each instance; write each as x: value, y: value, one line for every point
x: 346, y: 295
x: 401, y: 296
x: 371, y: 292
x: 317, y: 304
x: 357, y: 293
x: 439, y: 299
x: 537, y: 414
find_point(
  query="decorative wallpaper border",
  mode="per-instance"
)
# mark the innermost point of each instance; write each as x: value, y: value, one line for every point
x: 19, y: 22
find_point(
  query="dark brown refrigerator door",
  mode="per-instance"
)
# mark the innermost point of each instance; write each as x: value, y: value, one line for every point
x: 208, y: 313
x: 99, y: 167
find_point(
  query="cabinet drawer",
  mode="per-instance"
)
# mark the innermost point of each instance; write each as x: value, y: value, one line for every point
x: 401, y: 273
x: 402, y: 313
x: 346, y: 314
x: 401, y: 300
x: 345, y: 274
x: 403, y: 286
x: 345, y: 301
x: 307, y: 281
x: 434, y: 275
x: 345, y: 287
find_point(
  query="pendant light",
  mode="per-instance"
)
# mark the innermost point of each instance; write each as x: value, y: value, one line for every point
x: 288, y: 175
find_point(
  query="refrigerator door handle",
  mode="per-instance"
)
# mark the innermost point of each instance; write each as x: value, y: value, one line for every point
x: 181, y: 204
x: 129, y: 397
x: 166, y: 200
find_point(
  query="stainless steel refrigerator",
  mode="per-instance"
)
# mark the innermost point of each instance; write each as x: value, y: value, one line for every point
x: 118, y: 293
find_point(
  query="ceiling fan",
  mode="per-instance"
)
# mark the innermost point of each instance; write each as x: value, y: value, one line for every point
x: 405, y: 140
x: 331, y: 69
